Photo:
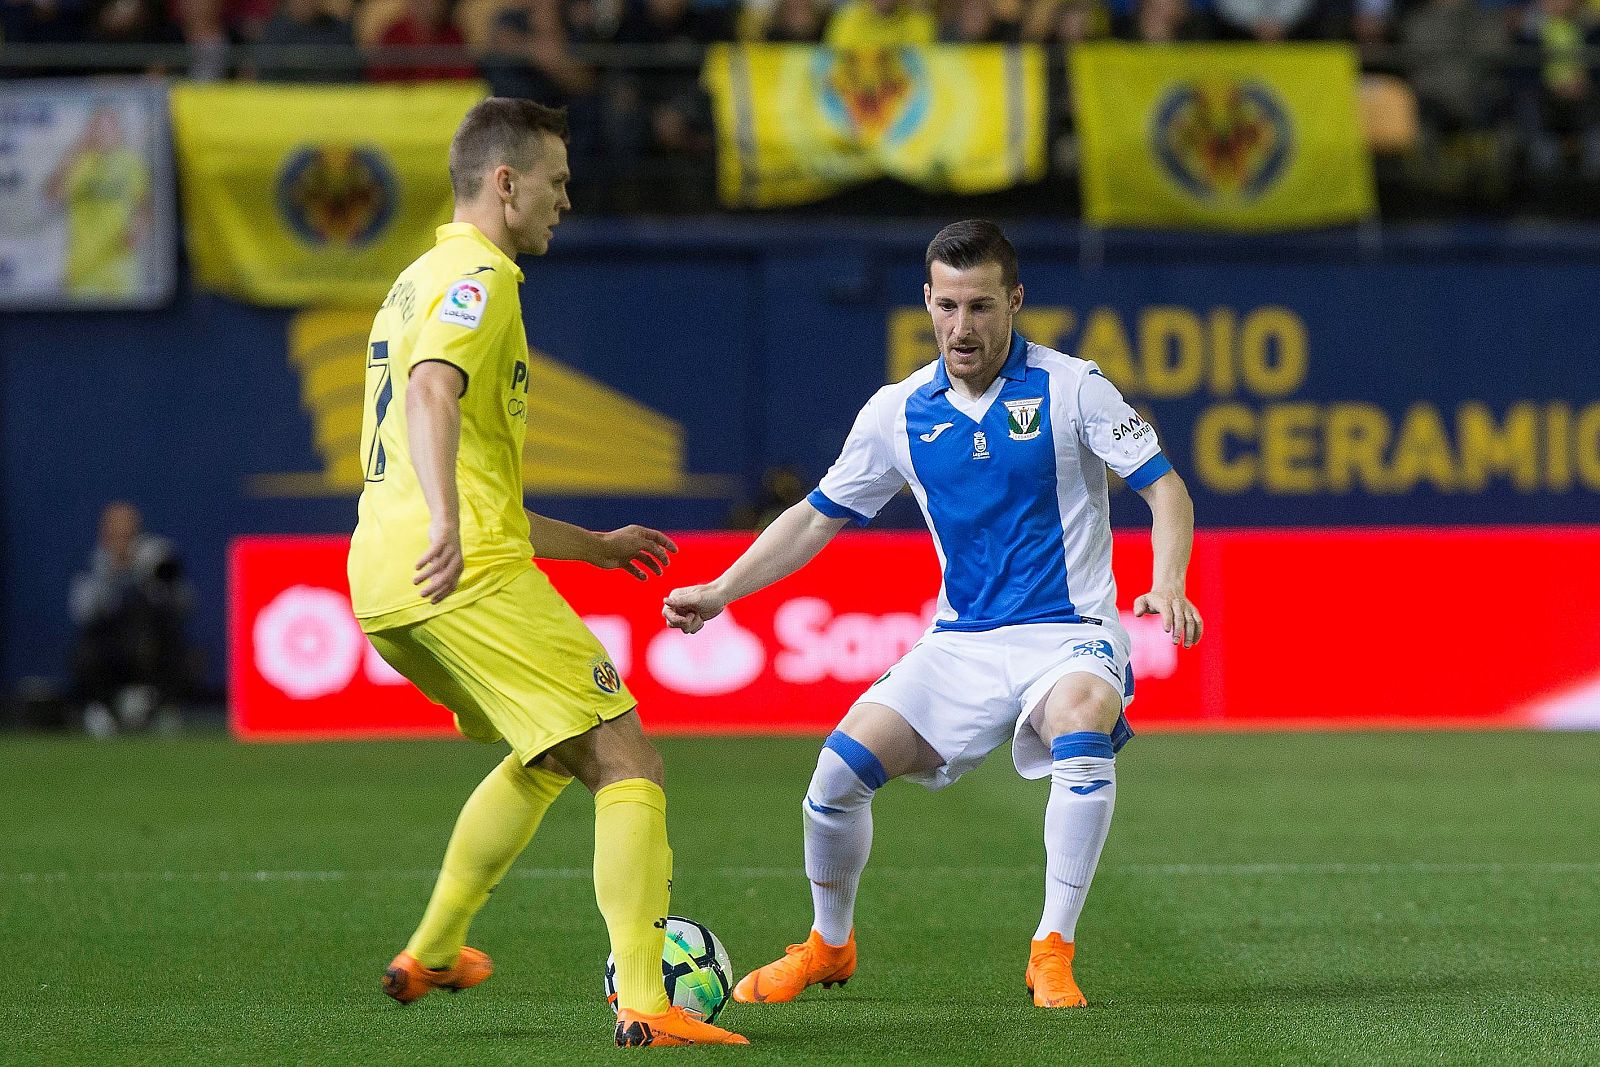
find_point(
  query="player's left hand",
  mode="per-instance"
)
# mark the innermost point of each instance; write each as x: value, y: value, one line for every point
x: 635, y: 549
x: 1179, y: 617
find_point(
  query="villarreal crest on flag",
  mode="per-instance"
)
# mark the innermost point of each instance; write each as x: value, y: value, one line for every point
x: 1241, y: 137
x: 795, y: 124
x: 313, y: 195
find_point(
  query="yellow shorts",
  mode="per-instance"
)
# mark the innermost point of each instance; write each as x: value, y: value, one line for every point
x: 516, y: 665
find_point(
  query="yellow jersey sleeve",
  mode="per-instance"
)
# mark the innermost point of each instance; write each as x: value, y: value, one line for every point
x: 466, y: 322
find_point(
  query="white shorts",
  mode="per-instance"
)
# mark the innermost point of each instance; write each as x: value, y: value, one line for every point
x: 966, y: 694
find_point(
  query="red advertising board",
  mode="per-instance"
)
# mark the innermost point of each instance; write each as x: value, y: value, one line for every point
x: 1304, y: 629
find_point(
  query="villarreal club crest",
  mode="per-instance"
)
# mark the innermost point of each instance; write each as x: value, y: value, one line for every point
x: 1222, y: 139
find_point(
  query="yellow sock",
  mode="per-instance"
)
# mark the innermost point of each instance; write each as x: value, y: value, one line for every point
x: 632, y: 884
x: 494, y: 827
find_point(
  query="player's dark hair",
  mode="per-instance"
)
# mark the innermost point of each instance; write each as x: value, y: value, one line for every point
x: 964, y: 245
x: 499, y: 130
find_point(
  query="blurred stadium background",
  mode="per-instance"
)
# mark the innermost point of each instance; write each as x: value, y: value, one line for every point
x: 1343, y: 253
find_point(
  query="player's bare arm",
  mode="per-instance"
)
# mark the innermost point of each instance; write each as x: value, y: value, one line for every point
x: 1172, y: 538
x: 793, y: 539
x: 433, y: 422
x: 635, y: 549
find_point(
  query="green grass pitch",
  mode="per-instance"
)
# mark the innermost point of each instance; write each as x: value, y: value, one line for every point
x: 1293, y: 899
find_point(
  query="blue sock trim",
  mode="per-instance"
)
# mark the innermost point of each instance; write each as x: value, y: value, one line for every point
x: 858, y: 758
x: 823, y: 809
x: 1082, y: 743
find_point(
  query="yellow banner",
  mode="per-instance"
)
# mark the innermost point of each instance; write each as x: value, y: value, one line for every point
x: 313, y: 195
x: 796, y: 124
x: 1238, y: 137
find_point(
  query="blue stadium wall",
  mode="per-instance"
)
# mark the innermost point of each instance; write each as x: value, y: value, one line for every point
x: 1417, y: 377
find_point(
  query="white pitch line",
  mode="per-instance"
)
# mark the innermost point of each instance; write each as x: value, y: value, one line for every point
x: 1158, y: 870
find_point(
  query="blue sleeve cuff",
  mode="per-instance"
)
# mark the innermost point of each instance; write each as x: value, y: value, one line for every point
x: 820, y: 501
x: 1153, y: 468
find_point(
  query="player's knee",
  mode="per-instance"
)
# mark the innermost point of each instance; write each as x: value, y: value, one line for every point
x: 1077, y: 703
x: 847, y: 776
x: 616, y: 763
x: 647, y: 764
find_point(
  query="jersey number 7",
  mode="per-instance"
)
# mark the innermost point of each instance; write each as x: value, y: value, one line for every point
x: 383, y: 390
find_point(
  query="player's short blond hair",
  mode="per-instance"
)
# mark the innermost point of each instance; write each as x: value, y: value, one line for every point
x: 499, y: 130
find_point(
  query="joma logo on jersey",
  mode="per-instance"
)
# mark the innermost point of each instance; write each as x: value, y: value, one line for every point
x: 1023, y: 419
x: 1133, y: 428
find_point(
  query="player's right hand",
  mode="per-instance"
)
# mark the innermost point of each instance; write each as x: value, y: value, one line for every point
x: 439, y: 571
x: 691, y: 607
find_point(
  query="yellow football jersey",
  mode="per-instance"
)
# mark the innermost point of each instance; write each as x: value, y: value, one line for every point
x: 459, y: 304
x: 104, y: 194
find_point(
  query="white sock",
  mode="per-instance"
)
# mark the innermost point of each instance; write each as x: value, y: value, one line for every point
x: 1083, y: 790
x: 838, y: 825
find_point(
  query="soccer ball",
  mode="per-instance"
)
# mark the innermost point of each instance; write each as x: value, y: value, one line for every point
x: 694, y: 966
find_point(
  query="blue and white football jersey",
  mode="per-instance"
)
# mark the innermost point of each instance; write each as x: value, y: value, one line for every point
x: 1012, y: 485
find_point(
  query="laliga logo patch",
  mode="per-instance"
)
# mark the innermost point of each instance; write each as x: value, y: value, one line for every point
x: 336, y: 195
x: 463, y: 304
x: 873, y: 95
x: 606, y: 677
x: 1022, y: 418
x: 1222, y: 139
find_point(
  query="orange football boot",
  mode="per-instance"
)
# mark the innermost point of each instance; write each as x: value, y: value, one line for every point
x: 671, y: 1028
x: 1049, y: 978
x: 406, y: 979
x: 801, y: 966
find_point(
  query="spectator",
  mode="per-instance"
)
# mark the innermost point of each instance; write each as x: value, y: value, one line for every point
x: 674, y: 22
x: 529, y: 56
x: 1560, y: 111
x: 1066, y: 22
x: 305, y: 42
x: 1450, y: 50
x: 880, y: 24
x: 589, y: 21
x: 201, y: 22
x: 1372, y: 21
x: 132, y: 22
x: 425, y: 24
x: 795, y: 22
x: 1264, y: 20
x: 1164, y: 22
x: 42, y: 21
x: 984, y: 22
x: 246, y: 19
x: 130, y: 606
x: 670, y: 100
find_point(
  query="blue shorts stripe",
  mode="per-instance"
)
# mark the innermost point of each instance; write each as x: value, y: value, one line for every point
x: 819, y: 500
x: 858, y: 758
x: 1082, y: 743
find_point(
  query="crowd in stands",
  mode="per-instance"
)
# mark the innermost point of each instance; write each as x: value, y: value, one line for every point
x: 1468, y: 67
